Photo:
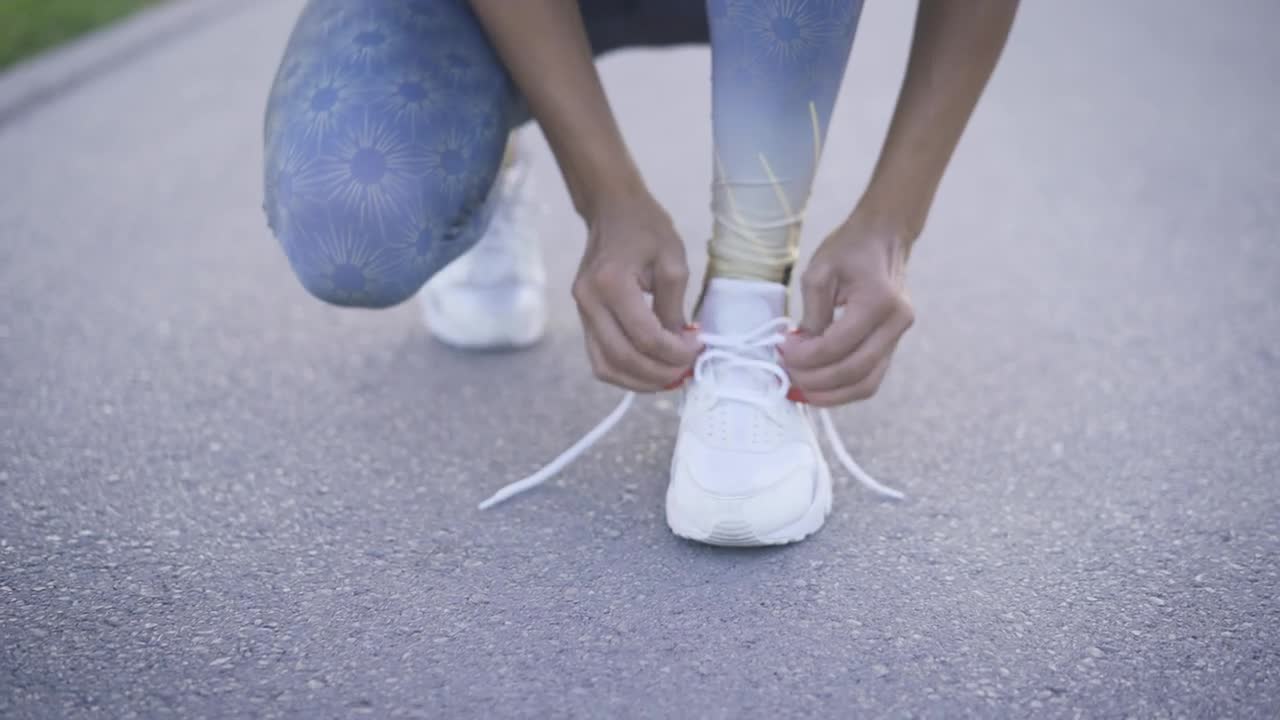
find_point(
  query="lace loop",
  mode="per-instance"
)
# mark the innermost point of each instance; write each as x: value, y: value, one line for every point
x: 730, y: 351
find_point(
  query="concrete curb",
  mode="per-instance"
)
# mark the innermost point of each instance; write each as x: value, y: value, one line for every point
x: 44, y: 77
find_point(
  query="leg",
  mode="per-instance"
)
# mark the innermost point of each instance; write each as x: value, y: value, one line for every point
x: 384, y: 132
x: 748, y: 466
x: 776, y: 69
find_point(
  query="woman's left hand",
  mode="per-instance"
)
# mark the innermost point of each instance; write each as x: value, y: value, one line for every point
x: 837, y: 358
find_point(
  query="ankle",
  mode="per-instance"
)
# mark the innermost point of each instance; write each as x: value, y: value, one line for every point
x: 715, y: 271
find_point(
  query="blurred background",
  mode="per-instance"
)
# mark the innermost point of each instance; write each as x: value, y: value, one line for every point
x: 29, y: 26
x: 221, y: 498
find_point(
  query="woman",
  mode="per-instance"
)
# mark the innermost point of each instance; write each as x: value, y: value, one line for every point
x: 387, y: 166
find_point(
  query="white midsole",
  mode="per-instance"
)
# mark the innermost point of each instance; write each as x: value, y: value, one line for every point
x: 735, y: 531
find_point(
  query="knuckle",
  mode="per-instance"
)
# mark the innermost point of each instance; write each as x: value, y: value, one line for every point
x: 904, y: 308
x: 862, y: 391
x: 612, y: 377
x: 617, y: 360
x: 581, y: 291
x: 649, y: 343
x: 619, y: 381
x: 597, y: 362
x: 885, y: 299
x: 607, y: 277
x: 672, y: 272
x: 817, y: 277
x: 608, y: 356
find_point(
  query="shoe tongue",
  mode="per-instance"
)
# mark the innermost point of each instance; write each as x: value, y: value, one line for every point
x: 734, y: 307
x: 737, y: 307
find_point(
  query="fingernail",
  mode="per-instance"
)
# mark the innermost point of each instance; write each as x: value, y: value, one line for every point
x: 795, y: 394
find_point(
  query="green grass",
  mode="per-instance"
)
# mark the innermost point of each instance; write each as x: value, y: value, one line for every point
x: 29, y: 26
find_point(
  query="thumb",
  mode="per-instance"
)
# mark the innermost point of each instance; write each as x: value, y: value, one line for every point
x: 670, y: 278
x: 818, y: 289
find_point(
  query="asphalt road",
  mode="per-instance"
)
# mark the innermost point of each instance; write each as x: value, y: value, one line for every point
x: 221, y: 498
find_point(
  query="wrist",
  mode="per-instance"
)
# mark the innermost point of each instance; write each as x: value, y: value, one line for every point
x: 893, y: 212
x: 601, y: 178
x: 605, y: 195
x: 610, y: 196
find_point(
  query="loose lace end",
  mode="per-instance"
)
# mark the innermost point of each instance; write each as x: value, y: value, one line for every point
x: 728, y: 349
x: 568, y: 456
x: 852, y: 467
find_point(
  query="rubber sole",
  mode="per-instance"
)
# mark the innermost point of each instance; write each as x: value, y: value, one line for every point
x: 735, y: 532
x: 504, y: 339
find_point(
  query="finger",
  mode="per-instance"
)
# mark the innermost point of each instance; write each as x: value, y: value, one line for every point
x: 843, y: 336
x: 818, y: 286
x: 646, y: 334
x: 589, y: 312
x: 853, y: 368
x: 609, y: 349
x: 863, y: 390
x: 604, y: 373
x: 623, y: 358
x: 670, y: 279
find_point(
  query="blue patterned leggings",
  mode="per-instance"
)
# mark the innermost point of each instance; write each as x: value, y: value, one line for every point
x: 387, y: 123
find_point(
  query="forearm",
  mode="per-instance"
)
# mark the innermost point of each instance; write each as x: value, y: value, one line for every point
x: 544, y: 46
x: 954, y: 51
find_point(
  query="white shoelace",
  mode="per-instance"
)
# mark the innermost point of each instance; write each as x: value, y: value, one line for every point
x: 721, y: 352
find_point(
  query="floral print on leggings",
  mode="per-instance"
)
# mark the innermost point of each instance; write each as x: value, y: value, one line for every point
x: 387, y: 123
x: 385, y: 129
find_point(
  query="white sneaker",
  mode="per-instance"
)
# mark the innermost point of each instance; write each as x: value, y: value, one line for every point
x: 495, y: 295
x: 747, y: 468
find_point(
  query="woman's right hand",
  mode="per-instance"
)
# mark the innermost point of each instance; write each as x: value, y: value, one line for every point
x: 633, y: 249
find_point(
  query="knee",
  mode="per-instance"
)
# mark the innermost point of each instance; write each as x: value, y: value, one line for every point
x: 366, y: 259
x: 353, y: 285
x: 365, y: 227
x: 343, y: 265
